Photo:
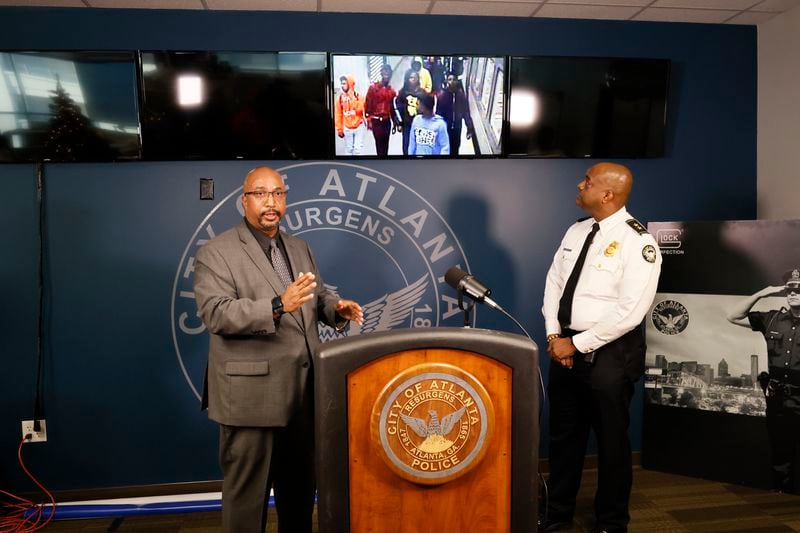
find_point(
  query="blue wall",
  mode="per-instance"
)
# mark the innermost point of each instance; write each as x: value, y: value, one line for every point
x: 119, y: 411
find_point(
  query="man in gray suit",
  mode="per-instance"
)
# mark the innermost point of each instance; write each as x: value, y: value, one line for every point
x: 260, y: 295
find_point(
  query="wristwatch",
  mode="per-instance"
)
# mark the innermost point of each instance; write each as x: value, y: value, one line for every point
x: 277, y: 307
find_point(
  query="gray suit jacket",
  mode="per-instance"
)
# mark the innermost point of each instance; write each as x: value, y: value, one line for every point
x: 257, y: 372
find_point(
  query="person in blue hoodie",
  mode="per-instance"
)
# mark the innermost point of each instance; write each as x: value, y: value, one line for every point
x: 428, y: 130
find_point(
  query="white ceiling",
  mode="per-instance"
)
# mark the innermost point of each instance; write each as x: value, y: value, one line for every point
x: 751, y: 12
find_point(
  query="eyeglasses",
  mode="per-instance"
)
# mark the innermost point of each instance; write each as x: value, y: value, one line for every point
x: 277, y: 194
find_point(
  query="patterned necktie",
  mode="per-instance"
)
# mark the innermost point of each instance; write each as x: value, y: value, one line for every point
x: 279, y: 263
x: 565, y: 303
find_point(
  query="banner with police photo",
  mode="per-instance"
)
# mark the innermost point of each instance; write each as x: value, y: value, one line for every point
x: 711, y: 369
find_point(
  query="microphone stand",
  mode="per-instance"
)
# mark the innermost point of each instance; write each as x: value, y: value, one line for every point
x: 468, y: 324
x: 467, y: 321
x: 539, y: 371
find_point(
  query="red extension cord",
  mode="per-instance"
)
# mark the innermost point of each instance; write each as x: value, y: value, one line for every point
x: 24, y: 516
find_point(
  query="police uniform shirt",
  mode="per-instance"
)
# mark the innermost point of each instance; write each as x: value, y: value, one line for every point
x: 616, y: 286
x: 780, y: 330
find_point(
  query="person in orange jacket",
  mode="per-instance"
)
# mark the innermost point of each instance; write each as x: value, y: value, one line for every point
x: 349, y: 114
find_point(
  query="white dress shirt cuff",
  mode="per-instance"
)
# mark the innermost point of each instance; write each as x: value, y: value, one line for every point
x: 551, y: 326
x: 582, y: 342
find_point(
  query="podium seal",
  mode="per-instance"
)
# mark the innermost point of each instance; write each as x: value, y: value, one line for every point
x: 432, y: 423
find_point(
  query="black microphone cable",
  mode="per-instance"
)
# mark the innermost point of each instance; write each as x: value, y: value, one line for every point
x: 543, y: 396
x: 40, y: 198
x: 465, y: 282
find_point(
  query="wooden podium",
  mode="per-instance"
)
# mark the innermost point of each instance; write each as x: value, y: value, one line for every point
x: 427, y: 429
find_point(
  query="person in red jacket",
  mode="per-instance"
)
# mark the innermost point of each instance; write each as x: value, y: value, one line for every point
x: 349, y: 115
x: 378, y: 110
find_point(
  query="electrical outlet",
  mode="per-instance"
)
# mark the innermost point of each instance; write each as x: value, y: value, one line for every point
x: 206, y: 188
x: 36, y: 436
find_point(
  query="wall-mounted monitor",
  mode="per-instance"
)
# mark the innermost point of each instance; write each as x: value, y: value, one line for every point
x: 68, y: 106
x: 235, y: 105
x: 587, y: 107
x: 412, y: 106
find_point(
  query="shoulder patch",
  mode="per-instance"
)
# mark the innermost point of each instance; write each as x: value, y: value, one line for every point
x: 649, y: 253
x: 637, y: 226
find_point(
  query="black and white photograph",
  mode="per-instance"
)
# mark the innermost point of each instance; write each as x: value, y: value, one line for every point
x: 703, y: 353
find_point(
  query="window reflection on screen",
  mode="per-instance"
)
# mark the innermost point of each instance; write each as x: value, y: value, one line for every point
x: 234, y: 105
x: 68, y: 106
x: 588, y: 106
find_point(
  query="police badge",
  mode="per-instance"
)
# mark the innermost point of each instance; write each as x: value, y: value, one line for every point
x: 612, y: 249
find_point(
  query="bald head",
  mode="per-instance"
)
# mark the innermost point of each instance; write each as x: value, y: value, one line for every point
x: 617, y: 178
x: 264, y: 199
x: 605, y: 189
x: 261, y: 172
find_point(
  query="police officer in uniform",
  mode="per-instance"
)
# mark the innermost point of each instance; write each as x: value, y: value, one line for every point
x: 782, y: 385
x: 600, y: 286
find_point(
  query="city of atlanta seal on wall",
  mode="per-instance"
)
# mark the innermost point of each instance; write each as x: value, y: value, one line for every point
x: 432, y: 423
x: 670, y: 317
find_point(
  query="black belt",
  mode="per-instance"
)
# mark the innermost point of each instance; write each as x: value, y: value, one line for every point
x: 566, y: 332
x: 785, y: 374
x: 784, y: 384
x: 591, y: 356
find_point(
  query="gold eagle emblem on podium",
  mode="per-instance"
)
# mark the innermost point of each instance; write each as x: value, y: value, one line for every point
x: 434, y: 432
x: 432, y: 423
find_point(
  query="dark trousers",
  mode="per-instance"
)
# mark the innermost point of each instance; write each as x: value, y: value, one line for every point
x: 783, y: 427
x: 454, y: 136
x: 254, y: 459
x: 595, y: 397
x: 381, y: 129
x: 406, y: 136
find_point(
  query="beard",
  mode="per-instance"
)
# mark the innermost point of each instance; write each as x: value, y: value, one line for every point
x: 271, y: 224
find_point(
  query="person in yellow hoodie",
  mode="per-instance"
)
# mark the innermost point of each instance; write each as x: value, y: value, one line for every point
x: 349, y: 114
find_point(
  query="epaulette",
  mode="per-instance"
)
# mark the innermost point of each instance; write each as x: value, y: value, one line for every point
x: 637, y: 226
x: 582, y: 219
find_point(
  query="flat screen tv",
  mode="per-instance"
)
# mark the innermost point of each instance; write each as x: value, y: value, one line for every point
x: 68, y: 106
x: 417, y: 106
x: 587, y: 107
x: 234, y: 105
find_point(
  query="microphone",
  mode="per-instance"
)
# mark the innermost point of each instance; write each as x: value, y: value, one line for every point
x: 469, y: 285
